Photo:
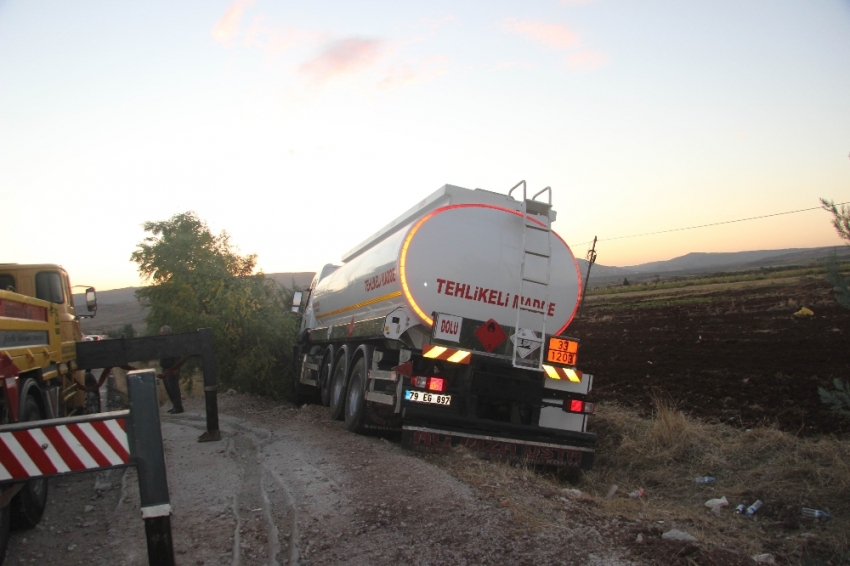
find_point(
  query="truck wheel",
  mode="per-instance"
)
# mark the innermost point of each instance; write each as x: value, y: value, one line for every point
x: 337, y: 400
x: 325, y: 380
x: 92, y: 397
x: 4, y: 531
x: 355, y: 400
x: 27, y: 506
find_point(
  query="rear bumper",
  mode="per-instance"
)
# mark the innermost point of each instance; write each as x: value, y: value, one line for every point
x: 434, y: 431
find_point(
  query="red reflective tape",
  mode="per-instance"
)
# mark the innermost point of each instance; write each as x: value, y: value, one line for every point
x: 35, y: 452
x: 122, y: 424
x: 10, y: 462
x: 88, y: 445
x: 109, y: 438
x: 65, y: 452
x: 19, y: 310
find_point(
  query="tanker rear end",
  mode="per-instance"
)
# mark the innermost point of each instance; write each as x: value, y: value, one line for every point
x: 449, y: 324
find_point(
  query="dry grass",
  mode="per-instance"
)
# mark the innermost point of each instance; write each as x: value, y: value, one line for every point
x: 663, y: 455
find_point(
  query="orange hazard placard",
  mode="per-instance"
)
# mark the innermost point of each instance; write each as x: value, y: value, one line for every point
x: 490, y: 334
x: 562, y: 351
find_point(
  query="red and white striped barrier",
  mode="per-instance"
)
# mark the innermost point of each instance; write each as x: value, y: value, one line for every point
x: 86, y: 443
x: 64, y: 448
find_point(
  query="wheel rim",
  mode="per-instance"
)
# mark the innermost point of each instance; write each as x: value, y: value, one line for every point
x: 324, y: 382
x: 92, y: 403
x: 353, y: 394
x: 337, y: 384
x: 38, y: 487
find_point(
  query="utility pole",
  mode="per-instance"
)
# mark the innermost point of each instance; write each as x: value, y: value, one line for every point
x: 591, y: 259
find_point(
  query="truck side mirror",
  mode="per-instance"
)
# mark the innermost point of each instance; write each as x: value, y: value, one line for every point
x: 91, y: 299
x: 296, y: 300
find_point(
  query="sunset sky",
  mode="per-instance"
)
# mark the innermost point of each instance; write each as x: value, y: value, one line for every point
x: 303, y: 127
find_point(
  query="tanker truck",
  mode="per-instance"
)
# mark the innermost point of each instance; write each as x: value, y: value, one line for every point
x: 449, y: 324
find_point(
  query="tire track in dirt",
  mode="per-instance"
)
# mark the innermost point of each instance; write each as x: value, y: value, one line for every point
x: 282, y: 485
x: 290, y: 486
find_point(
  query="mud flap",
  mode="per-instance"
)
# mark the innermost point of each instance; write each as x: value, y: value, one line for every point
x: 381, y: 418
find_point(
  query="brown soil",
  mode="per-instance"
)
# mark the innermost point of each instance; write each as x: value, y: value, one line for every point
x: 730, y: 355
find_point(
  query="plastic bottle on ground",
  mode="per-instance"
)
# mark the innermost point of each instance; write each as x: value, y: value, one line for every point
x: 816, y: 514
x: 751, y: 510
x: 703, y: 480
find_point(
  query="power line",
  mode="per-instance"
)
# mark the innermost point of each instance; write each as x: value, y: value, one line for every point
x: 712, y: 224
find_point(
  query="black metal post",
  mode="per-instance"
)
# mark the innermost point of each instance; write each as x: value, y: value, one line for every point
x: 146, y: 453
x: 210, y: 385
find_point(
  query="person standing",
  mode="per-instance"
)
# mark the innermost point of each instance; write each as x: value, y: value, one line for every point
x: 171, y: 379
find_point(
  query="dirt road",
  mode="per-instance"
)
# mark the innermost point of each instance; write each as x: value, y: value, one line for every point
x: 288, y: 486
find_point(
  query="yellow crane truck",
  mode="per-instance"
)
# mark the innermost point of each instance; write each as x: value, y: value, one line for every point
x: 39, y: 328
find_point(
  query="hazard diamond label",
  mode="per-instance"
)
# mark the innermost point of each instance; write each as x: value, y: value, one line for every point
x: 490, y: 334
x: 526, y: 342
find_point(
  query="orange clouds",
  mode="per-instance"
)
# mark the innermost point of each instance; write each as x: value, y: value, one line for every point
x: 411, y: 73
x: 375, y: 62
x: 227, y: 27
x: 342, y: 57
x: 559, y: 38
x: 552, y: 35
x: 587, y: 60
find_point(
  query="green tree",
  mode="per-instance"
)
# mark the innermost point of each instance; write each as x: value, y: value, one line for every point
x: 198, y: 280
x: 841, y: 223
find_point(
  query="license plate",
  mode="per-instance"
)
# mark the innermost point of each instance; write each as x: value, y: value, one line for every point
x: 423, y: 397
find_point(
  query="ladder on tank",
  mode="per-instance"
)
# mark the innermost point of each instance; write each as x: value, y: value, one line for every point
x: 534, y: 275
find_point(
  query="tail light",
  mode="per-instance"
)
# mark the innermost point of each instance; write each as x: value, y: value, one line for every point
x: 437, y: 384
x: 579, y: 406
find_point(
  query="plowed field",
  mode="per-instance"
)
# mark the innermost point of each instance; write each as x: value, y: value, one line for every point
x: 733, y: 353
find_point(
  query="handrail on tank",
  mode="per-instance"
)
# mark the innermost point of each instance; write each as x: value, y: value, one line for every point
x: 543, y: 191
x: 517, y: 185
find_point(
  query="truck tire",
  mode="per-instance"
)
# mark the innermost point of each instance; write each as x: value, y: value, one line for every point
x: 355, y: 398
x: 325, y: 380
x: 4, y: 531
x: 92, y: 397
x: 27, y: 506
x: 337, y: 393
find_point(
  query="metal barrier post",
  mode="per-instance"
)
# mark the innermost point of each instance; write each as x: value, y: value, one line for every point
x: 210, y: 385
x: 145, y: 439
x: 120, y: 353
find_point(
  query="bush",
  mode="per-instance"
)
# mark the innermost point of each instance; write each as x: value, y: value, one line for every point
x: 199, y: 281
x: 838, y: 400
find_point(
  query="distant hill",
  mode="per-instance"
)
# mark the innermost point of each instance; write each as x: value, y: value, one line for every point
x: 702, y: 260
x: 701, y: 263
x: 301, y: 279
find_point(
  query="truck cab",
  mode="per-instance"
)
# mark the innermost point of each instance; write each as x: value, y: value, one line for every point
x: 49, y: 282
x: 39, y: 328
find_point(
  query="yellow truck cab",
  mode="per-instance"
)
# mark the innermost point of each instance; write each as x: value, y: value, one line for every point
x: 39, y: 328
